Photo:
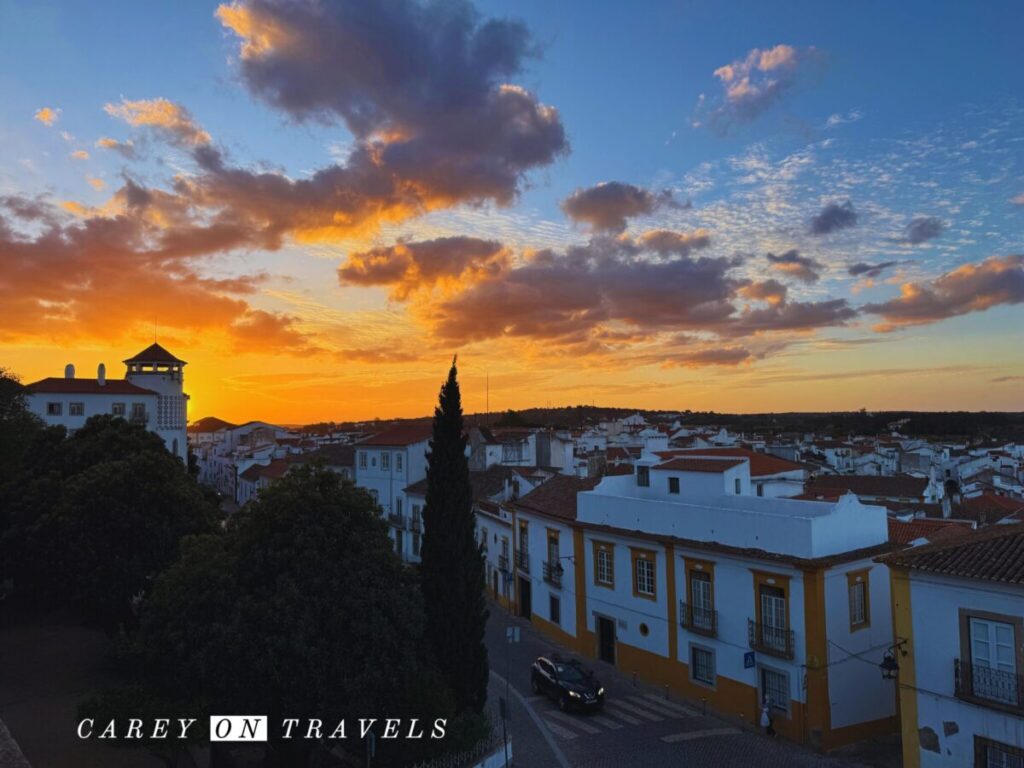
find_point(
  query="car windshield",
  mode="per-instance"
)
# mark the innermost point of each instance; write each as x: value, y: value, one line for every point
x: 569, y: 673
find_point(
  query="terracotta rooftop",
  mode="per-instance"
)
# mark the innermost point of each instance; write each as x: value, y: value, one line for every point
x: 154, y: 353
x: 63, y: 386
x: 899, y: 486
x: 699, y: 465
x: 485, y: 483
x: 403, y: 435
x: 906, y: 531
x: 761, y: 464
x: 557, y: 497
x: 995, y: 553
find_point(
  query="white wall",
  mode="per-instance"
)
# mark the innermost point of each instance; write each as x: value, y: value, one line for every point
x: 935, y: 602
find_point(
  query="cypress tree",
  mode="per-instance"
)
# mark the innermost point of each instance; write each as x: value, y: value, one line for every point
x: 452, y: 568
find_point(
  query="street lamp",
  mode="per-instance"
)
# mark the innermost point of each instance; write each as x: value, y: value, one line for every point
x: 890, y: 666
x: 558, y: 565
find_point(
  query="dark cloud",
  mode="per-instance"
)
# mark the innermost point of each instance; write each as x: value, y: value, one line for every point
x: 422, y: 86
x: 753, y: 84
x: 770, y: 291
x: 406, y: 267
x: 968, y: 288
x: 791, y: 263
x: 870, y: 270
x: 923, y: 228
x: 607, y: 206
x: 792, y: 316
x: 832, y: 217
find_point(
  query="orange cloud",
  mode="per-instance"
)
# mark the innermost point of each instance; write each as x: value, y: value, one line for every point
x: 162, y: 114
x: 96, y: 183
x: 79, y: 154
x: 47, y: 115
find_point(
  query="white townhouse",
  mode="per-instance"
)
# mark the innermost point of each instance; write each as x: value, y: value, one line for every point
x: 683, y: 576
x: 386, y: 464
x: 959, y: 620
x: 151, y: 394
x: 770, y: 476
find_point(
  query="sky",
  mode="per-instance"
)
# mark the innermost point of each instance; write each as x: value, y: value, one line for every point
x: 674, y: 205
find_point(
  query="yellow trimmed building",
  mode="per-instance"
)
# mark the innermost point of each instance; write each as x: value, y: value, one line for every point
x: 679, y: 575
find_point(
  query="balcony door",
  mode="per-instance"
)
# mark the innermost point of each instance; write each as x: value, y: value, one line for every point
x: 700, y: 599
x: 773, y: 616
x: 993, y: 660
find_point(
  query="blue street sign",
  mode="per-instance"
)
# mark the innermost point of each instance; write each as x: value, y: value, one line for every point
x: 748, y: 660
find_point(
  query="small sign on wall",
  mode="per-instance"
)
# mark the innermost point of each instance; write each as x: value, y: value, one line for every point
x: 749, y: 661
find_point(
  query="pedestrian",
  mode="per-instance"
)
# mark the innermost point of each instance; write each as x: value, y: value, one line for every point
x: 766, y: 719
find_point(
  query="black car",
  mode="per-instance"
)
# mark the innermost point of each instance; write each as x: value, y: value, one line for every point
x: 569, y: 683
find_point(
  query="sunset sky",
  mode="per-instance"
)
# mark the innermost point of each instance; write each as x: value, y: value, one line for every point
x: 677, y: 204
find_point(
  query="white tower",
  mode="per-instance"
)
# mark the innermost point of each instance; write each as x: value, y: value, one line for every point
x: 156, y: 369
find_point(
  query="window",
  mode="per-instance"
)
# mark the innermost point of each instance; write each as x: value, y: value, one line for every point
x: 737, y: 486
x: 860, y: 596
x: 993, y: 660
x: 701, y: 600
x: 604, y: 564
x: 555, y: 609
x: 760, y: 489
x: 774, y: 617
x: 76, y: 409
x: 553, y: 556
x: 117, y: 409
x: 994, y: 754
x: 362, y: 459
x: 702, y: 665
x: 643, y: 573
x: 373, y: 495
x: 398, y: 462
x: 385, y: 460
x: 673, y: 485
x: 483, y: 539
x: 398, y: 541
x: 524, y: 537
x: 398, y: 505
x: 504, y: 547
x: 643, y: 476
x: 54, y: 409
x: 775, y: 688
x: 416, y: 544
x: 139, y: 411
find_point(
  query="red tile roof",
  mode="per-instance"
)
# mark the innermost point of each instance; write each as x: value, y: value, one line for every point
x: 154, y: 353
x: 761, y: 464
x: 995, y: 553
x: 898, y: 486
x: 557, y: 497
x: 906, y: 531
x: 62, y: 386
x: 618, y: 469
x: 699, y: 465
x: 403, y: 435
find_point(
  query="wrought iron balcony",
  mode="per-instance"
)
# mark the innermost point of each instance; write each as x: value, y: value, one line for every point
x: 703, y: 621
x: 988, y: 687
x: 397, y: 519
x: 553, y: 574
x: 523, y: 560
x: 503, y: 563
x: 770, y: 639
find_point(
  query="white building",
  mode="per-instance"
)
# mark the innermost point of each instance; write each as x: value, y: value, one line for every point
x: 681, y: 575
x: 151, y: 394
x: 959, y: 619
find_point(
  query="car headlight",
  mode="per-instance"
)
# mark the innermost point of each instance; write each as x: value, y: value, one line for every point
x: 574, y: 694
x: 600, y: 691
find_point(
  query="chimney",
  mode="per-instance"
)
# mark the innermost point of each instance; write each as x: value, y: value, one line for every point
x: 101, y: 375
x: 69, y: 371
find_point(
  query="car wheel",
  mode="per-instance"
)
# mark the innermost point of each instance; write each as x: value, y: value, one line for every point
x: 534, y: 685
x: 563, y: 703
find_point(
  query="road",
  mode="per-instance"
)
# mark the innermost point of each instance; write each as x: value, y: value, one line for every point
x: 637, y: 727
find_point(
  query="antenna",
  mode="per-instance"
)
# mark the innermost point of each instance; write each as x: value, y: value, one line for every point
x: 488, y: 397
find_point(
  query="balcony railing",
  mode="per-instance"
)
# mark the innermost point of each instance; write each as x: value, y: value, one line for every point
x: 523, y: 560
x: 553, y: 574
x: 397, y: 519
x: 416, y: 524
x: 703, y: 621
x: 987, y: 686
x: 770, y: 639
x: 503, y: 563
